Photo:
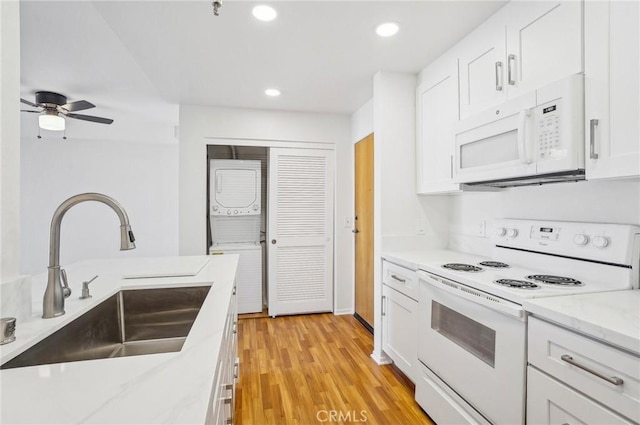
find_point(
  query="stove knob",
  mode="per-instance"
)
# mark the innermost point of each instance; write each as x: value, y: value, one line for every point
x: 580, y: 239
x: 600, y: 241
x: 501, y: 231
x: 512, y: 233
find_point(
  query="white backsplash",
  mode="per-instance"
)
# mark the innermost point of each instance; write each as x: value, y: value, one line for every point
x: 15, y: 298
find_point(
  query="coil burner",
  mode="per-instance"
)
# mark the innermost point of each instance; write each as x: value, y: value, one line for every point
x: 555, y: 280
x: 460, y: 267
x: 494, y: 264
x: 517, y: 284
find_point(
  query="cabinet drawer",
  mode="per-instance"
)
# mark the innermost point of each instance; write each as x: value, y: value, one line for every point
x: 553, y: 349
x: 401, y: 279
x: 550, y: 402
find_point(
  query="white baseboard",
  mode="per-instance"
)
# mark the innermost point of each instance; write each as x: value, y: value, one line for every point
x: 381, y: 358
x: 343, y: 311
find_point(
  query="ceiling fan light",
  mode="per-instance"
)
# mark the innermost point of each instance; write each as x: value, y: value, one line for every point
x: 52, y: 122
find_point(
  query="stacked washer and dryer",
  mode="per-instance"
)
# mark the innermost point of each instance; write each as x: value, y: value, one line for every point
x: 235, y: 212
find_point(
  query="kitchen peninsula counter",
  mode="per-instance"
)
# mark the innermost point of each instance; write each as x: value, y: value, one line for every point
x: 168, y: 388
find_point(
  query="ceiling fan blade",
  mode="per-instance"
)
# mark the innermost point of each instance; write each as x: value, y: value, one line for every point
x: 78, y: 105
x: 91, y: 118
x: 29, y: 103
x: 25, y: 110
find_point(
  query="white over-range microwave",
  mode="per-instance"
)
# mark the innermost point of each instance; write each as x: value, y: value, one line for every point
x: 533, y: 139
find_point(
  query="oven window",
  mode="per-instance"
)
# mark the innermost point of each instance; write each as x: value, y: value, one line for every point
x: 474, y: 337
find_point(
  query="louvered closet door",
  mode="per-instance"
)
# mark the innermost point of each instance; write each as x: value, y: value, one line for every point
x: 300, y: 231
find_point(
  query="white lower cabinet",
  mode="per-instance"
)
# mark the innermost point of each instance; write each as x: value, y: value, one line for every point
x: 400, y: 326
x: 551, y: 402
x: 227, y: 370
x: 575, y: 379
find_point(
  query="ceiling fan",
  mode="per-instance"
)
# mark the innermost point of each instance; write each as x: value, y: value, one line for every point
x: 54, y: 108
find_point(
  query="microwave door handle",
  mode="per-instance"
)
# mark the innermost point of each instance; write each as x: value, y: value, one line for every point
x: 523, y: 149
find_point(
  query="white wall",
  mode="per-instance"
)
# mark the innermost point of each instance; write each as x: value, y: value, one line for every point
x: 143, y: 177
x: 15, y: 290
x: 362, y: 122
x: 10, y: 136
x: 612, y: 201
x: 200, y: 122
x: 401, y: 220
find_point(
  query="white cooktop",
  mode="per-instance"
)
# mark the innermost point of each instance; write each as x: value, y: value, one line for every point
x: 485, y: 280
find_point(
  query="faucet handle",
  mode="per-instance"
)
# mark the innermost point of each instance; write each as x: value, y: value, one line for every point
x: 66, y: 291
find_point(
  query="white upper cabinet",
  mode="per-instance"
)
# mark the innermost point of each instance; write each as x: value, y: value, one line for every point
x: 437, y: 112
x: 524, y: 46
x: 482, y: 65
x: 544, y: 43
x: 612, y: 89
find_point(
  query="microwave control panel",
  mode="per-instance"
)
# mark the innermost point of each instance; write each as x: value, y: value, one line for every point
x: 548, y: 130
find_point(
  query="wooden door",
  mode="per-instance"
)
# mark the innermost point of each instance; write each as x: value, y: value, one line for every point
x: 364, y: 230
x: 300, y: 230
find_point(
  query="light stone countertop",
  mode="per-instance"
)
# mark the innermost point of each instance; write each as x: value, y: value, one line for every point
x: 613, y: 317
x: 167, y: 388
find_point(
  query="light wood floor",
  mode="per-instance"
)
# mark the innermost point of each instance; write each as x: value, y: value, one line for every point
x: 298, y: 369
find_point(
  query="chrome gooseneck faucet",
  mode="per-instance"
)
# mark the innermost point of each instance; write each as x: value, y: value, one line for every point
x: 57, y: 288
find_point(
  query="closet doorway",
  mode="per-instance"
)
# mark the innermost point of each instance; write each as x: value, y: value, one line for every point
x: 296, y: 222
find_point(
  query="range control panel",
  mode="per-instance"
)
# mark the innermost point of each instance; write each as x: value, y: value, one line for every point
x: 605, y: 242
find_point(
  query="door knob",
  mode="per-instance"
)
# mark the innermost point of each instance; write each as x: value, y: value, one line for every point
x: 356, y: 231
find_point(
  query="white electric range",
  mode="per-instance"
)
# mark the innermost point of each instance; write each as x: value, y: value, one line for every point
x: 472, y: 345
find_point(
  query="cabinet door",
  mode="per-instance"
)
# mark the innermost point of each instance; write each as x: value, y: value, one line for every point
x: 612, y: 89
x: 482, y: 68
x: 437, y: 112
x: 550, y: 402
x: 400, y: 331
x: 544, y: 43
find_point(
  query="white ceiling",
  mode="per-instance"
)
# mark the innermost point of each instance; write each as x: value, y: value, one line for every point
x: 141, y: 59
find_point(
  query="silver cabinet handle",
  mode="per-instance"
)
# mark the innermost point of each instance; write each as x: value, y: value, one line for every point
x: 498, y: 76
x: 592, y: 139
x: 510, y: 73
x: 611, y: 379
x: 399, y: 279
x: 383, y: 302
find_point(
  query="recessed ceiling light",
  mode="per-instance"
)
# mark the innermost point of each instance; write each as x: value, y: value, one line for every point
x: 387, y: 29
x: 272, y: 92
x: 264, y: 13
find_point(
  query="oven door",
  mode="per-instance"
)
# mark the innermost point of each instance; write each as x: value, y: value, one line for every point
x: 475, y: 343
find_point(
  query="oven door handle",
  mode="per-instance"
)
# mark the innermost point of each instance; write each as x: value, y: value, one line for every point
x: 472, y: 295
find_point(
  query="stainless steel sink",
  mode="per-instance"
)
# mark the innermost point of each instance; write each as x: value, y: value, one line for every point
x: 130, y: 323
